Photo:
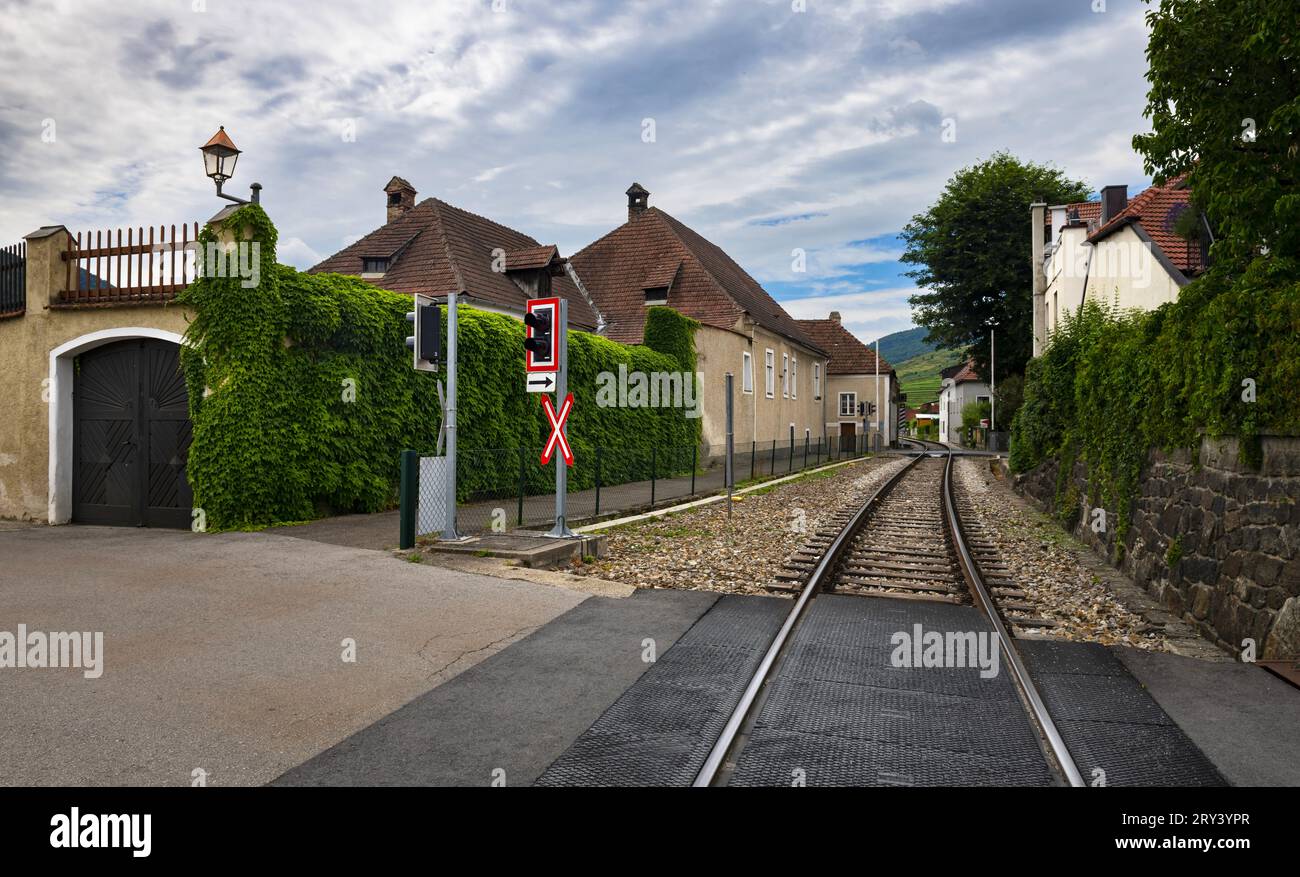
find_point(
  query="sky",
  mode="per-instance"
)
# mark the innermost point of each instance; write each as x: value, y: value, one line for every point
x: 769, y: 126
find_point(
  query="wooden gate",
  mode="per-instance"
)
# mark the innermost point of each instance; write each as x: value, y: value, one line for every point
x: 131, y: 436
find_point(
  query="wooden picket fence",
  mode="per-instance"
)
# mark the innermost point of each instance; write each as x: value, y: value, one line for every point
x: 13, y: 280
x: 143, y: 266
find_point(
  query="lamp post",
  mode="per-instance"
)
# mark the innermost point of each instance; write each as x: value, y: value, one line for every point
x: 219, y: 157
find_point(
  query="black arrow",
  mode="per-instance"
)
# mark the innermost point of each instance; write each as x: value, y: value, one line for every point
x: 533, y: 382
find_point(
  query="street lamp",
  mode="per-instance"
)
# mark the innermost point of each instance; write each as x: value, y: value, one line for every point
x: 219, y: 157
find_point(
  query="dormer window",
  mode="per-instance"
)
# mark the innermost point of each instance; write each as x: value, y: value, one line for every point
x: 373, y: 266
x: 656, y: 295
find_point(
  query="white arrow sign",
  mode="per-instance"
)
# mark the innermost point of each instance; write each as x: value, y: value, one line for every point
x: 541, y: 382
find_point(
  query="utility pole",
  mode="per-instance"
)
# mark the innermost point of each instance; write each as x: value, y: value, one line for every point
x: 877, y: 392
x: 993, y: 396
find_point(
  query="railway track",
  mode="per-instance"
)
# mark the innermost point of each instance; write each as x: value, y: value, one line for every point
x: 909, y: 541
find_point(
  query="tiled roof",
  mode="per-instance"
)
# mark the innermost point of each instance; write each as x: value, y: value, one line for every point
x: 533, y: 257
x: 660, y: 276
x: 1156, y: 210
x: 848, y: 355
x: 436, y: 248
x: 708, y: 285
x: 966, y: 373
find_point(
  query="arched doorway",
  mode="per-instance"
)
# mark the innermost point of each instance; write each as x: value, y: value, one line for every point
x: 130, y: 435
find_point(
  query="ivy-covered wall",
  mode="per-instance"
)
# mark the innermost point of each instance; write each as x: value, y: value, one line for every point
x: 1222, y: 360
x: 302, y: 394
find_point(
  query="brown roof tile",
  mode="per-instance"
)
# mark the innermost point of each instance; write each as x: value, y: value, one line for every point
x: 1156, y: 210
x: 848, y: 355
x: 966, y: 373
x: 436, y: 248
x: 707, y: 284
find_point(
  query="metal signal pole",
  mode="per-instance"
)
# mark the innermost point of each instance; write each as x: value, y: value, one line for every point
x: 561, y: 393
x: 449, y: 533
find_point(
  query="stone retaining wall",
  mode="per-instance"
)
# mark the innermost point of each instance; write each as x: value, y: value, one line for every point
x: 1216, y: 543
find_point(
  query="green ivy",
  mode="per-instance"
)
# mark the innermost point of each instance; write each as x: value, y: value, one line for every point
x: 302, y: 395
x: 1112, y: 385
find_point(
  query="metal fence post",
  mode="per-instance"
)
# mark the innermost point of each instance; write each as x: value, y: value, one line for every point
x: 695, y: 461
x: 729, y: 451
x: 753, y: 452
x: 654, y: 459
x: 522, y: 478
x: 409, y: 498
x: 790, y: 468
x: 771, y: 469
x: 805, y: 451
x: 597, y: 514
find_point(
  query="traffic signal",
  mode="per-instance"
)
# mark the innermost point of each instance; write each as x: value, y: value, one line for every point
x: 542, y: 352
x: 426, y: 343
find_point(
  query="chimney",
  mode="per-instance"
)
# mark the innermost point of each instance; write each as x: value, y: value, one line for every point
x: 835, y: 316
x: 401, y: 197
x: 1113, y: 201
x: 1038, y: 248
x: 638, y: 199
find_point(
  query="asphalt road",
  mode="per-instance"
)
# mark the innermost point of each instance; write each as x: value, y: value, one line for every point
x: 222, y: 652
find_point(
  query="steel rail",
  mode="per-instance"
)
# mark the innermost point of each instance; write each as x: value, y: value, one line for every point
x: 825, y: 567
x: 970, y: 571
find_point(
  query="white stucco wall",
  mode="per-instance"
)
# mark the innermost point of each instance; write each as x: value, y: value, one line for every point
x: 1124, y: 272
x: 1066, y: 270
x: 952, y: 399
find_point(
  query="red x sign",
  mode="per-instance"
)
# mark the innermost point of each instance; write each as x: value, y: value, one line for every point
x: 557, y: 430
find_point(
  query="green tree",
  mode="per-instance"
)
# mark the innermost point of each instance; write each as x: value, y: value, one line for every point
x: 1224, y: 106
x: 974, y: 260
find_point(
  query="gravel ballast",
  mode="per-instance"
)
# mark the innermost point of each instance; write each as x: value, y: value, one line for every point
x: 1035, y: 549
x: 701, y: 549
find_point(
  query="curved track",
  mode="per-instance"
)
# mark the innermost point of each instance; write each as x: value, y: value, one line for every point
x: 928, y: 557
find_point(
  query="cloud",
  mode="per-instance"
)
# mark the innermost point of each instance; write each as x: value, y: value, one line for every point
x: 773, y: 129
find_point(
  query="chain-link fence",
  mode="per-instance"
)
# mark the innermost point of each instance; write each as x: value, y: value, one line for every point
x: 605, y: 482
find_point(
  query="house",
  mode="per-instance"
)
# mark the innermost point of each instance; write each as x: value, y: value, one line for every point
x: 1128, y: 254
x: 960, y: 386
x: 854, y: 375
x: 433, y: 248
x: 653, y: 259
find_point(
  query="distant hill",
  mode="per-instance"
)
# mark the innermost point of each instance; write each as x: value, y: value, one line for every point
x: 918, y: 377
x: 902, y: 346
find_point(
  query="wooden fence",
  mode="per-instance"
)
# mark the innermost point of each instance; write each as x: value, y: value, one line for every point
x: 13, y: 280
x: 142, y: 266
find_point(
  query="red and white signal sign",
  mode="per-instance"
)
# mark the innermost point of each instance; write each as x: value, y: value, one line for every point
x: 542, y: 340
x: 557, y: 430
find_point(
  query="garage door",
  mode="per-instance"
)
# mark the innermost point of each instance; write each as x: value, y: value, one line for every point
x: 131, y: 436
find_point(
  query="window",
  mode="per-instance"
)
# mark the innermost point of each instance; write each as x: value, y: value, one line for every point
x: 771, y: 374
x: 785, y: 375
x: 394, y: 199
x: 817, y: 380
x: 656, y: 295
x: 848, y: 404
x: 746, y: 372
x: 374, y: 266
x: 794, y: 378
x: 982, y: 399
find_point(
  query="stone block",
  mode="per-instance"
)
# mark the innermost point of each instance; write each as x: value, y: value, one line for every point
x: 1201, y: 601
x: 1284, y: 637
